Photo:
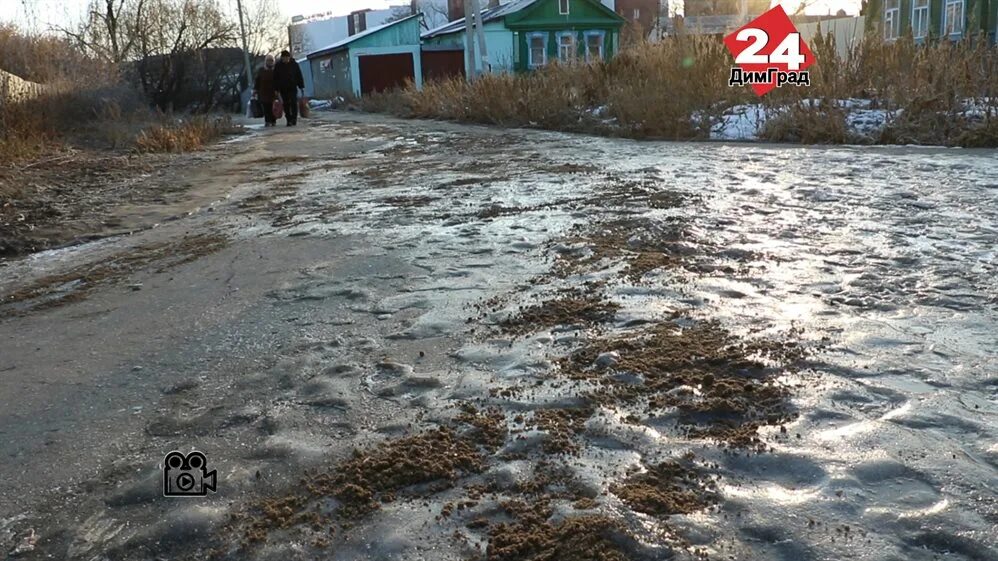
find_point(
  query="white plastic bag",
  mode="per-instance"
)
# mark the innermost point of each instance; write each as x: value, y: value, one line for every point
x: 249, y: 109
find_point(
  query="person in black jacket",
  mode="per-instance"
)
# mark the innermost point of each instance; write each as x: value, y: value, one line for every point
x: 288, y: 80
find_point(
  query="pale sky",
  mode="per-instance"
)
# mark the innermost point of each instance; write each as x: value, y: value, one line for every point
x: 43, y: 14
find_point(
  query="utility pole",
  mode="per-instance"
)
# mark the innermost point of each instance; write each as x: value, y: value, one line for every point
x: 484, y: 53
x: 246, y: 56
x: 469, y: 42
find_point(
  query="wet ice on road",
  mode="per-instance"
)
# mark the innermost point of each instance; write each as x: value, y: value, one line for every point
x: 495, y: 298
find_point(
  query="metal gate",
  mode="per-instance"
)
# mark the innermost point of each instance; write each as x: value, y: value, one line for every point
x: 439, y: 64
x: 384, y: 72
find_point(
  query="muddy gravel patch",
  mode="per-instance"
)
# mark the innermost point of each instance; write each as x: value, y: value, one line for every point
x: 72, y: 197
x: 78, y: 283
x: 722, y: 386
x: 637, y: 245
x: 532, y: 536
x: 423, y: 464
x: 667, y: 488
x: 573, y: 308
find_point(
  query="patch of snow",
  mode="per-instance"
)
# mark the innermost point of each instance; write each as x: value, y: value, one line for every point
x: 325, y: 104
x: 869, y: 123
x: 741, y: 122
x: 981, y: 108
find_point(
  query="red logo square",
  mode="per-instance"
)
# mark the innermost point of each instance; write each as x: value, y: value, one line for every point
x: 769, y: 52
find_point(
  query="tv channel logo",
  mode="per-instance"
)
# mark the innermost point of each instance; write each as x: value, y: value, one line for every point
x: 769, y: 53
x: 187, y: 475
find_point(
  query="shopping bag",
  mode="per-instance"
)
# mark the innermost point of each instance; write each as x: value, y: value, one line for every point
x: 250, y: 113
x: 257, y: 109
x: 278, y: 109
x: 303, y: 108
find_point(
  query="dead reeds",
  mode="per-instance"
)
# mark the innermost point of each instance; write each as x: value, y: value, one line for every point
x: 939, y: 93
x: 183, y: 135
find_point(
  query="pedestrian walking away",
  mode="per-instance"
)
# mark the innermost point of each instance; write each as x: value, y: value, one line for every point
x: 289, y: 81
x: 265, y: 90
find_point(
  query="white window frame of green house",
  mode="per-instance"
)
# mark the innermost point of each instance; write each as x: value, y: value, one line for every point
x: 563, y: 7
x: 892, y: 19
x: 920, y: 18
x: 953, y: 26
x: 601, y: 35
x: 530, y: 49
x: 572, y: 46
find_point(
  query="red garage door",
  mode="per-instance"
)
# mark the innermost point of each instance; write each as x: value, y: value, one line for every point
x: 442, y: 64
x: 384, y: 72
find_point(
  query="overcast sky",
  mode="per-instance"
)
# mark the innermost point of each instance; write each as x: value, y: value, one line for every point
x: 42, y: 14
x: 45, y: 13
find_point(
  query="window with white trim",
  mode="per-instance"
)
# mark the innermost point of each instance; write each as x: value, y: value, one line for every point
x: 563, y: 7
x: 566, y: 47
x: 953, y: 17
x: 637, y: 14
x: 538, y: 50
x: 892, y: 19
x: 920, y: 18
x: 594, y: 46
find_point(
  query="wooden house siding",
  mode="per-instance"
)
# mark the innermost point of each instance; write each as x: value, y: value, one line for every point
x: 509, y: 36
x: 581, y: 13
x: 980, y: 19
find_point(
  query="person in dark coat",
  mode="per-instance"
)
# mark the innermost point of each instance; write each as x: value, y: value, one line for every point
x: 288, y: 80
x: 265, y: 90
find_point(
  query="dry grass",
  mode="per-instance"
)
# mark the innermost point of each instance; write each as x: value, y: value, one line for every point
x: 650, y: 90
x: 184, y: 135
x: 941, y: 93
x: 808, y: 123
x: 676, y: 88
x: 75, y: 91
x: 85, y: 104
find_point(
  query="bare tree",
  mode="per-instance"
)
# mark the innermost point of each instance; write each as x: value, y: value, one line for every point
x: 434, y: 12
x: 401, y: 12
x: 266, y: 28
x: 172, y: 36
x: 107, y: 30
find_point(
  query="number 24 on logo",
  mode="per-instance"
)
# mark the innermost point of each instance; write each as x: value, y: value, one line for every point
x: 787, y: 52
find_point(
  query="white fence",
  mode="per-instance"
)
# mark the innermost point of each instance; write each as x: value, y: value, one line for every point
x: 848, y: 32
x: 13, y: 88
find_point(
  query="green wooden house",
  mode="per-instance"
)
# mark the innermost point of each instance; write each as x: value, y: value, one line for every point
x: 934, y: 19
x: 528, y: 34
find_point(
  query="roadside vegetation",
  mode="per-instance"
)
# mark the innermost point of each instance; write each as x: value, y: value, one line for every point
x: 133, y: 75
x: 100, y: 112
x: 942, y: 93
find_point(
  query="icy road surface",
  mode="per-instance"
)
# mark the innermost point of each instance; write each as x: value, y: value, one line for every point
x: 412, y: 340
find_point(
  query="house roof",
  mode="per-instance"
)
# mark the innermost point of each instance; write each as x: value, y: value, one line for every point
x: 490, y: 14
x: 706, y: 25
x: 344, y: 43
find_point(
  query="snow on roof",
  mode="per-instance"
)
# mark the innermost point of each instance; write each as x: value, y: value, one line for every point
x: 488, y: 15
